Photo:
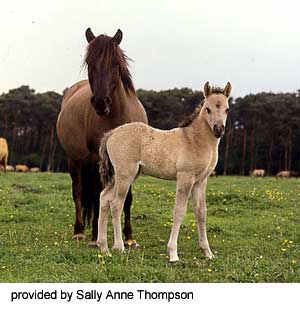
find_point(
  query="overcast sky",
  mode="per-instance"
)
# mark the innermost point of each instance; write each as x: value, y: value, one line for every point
x: 254, y: 44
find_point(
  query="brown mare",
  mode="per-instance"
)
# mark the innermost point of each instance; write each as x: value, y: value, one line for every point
x: 88, y: 110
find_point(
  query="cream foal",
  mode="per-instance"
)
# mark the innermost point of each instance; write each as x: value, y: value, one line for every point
x: 187, y: 154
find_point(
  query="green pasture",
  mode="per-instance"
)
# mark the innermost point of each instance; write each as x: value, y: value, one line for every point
x: 253, y: 230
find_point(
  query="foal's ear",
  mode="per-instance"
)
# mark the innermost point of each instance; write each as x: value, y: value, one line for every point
x: 227, y: 89
x: 89, y: 35
x: 118, y: 37
x: 207, y: 89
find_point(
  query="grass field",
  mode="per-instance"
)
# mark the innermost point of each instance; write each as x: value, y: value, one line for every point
x: 253, y: 230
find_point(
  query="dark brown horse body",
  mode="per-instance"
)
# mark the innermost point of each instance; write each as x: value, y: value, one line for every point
x: 89, y: 109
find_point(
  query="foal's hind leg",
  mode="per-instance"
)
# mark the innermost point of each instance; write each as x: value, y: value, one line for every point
x: 105, y: 197
x: 121, y: 187
x: 199, y: 201
x: 183, y: 190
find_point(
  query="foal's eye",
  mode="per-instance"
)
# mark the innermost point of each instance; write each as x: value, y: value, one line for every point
x: 208, y: 110
x: 227, y: 111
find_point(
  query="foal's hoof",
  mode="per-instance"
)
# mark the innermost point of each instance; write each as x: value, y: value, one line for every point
x: 209, y: 255
x: 79, y: 237
x: 173, y: 259
x: 131, y: 243
x: 93, y: 244
x: 118, y: 248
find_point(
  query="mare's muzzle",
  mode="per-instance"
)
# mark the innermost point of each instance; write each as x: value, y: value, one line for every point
x: 101, y: 106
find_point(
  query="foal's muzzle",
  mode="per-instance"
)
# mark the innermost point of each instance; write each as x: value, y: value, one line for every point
x: 219, y: 131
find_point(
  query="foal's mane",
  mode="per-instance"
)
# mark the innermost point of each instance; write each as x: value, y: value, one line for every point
x: 190, y: 118
x: 102, y: 52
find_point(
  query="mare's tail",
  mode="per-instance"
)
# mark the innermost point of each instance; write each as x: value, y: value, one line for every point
x: 106, y: 168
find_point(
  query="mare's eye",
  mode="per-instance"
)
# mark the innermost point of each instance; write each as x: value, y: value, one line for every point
x: 208, y: 110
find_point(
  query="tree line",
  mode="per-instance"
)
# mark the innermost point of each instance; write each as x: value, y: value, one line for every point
x: 262, y: 131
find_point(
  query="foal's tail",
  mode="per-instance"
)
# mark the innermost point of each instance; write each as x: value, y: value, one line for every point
x: 105, y: 166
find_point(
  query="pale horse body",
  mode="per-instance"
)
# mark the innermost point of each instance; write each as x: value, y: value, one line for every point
x: 258, y: 173
x: 3, y: 153
x: 187, y: 154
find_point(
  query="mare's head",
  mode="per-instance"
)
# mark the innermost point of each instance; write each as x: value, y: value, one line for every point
x: 215, y: 107
x: 106, y: 64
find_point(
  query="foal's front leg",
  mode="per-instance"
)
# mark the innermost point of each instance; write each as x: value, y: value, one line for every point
x: 183, y: 189
x: 199, y: 201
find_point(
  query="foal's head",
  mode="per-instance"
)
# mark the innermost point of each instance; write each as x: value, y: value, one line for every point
x: 216, y: 107
x: 106, y: 64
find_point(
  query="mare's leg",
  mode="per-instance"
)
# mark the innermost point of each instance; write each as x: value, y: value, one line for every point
x: 5, y: 163
x: 96, y: 203
x: 75, y: 172
x: 92, y: 187
x: 87, y: 185
x: 1, y: 164
x: 127, y: 230
x: 106, y: 197
x: 183, y: 189
x: 199, y: 201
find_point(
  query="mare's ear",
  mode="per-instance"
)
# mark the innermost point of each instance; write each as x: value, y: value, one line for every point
x: 227, y: 89
x: 118, y: 37
x: 89, y: 35
x: 207, y: 89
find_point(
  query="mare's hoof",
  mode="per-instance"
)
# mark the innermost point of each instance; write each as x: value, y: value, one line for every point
x: 92, y: 244
x: 79, y: 237
x: 131, y: 243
